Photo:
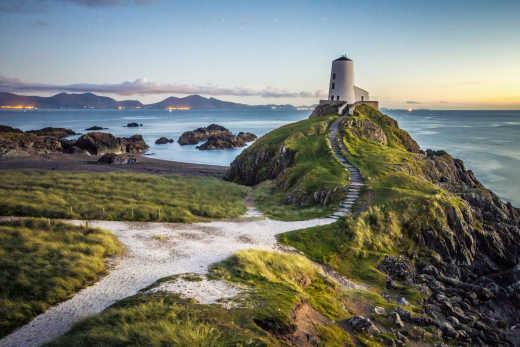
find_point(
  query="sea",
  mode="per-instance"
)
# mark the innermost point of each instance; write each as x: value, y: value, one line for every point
x: 487, y: 141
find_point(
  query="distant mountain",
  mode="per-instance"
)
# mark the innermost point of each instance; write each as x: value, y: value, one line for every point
x: 65, y: 100
x: 89, y: 100
x: 197, y: 102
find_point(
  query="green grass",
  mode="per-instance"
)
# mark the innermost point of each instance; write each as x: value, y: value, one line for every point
x: 44, y: 262
x: 275, y: 285
x: 273, y: 204
x: 162, y: 319
x: 118, y: 196
x: 314, y: 171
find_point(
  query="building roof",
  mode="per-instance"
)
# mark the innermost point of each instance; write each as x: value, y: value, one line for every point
x: 343, y: 58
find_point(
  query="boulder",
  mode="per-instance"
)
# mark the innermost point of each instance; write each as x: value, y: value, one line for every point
x: 134, y: 125
x: 99, y: 143
x: 163, y: 140
x: 360, y: 324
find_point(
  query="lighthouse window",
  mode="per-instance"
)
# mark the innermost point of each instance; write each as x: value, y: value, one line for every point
x: 337, y: 97
x: 334, y: 76
x: 332, y: 85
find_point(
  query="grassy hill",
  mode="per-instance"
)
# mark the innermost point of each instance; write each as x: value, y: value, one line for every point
x: 298, y: 175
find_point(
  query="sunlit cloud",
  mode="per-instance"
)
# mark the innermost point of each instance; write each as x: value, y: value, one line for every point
x: 143, y: 86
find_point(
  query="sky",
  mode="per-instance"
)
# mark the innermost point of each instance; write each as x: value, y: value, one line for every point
x: 436, y: 54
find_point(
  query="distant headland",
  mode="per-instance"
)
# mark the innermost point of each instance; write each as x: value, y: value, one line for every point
x: 93, y: 101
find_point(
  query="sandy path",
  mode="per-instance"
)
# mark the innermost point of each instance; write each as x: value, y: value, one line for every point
x: 155, y: 250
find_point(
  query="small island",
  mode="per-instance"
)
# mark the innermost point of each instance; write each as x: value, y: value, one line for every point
x: 216, y: 137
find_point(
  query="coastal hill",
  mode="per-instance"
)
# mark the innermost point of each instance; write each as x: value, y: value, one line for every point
x: 93, y: 101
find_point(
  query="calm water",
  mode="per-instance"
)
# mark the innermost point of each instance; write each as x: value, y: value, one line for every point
x: 158, y: 123
x: 487, y: 141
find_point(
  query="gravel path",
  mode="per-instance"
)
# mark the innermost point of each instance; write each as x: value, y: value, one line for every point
x: 155, y: 250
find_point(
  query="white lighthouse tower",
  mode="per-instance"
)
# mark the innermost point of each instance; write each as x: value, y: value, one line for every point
x: 341, y: 87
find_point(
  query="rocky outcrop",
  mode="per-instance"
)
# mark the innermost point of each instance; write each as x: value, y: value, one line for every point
x: 53, y: 132
x: 227, y: 141
x: 201, y: 134
x: 14, y: 142
x: 163, y: 141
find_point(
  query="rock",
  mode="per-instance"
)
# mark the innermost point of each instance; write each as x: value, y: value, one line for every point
x: 95, y: 127
x: 360, y: 324
x: 163, y: 140
x: 379, y: 310
x: 403, y: 301
x: 398, y: 268
x: 53, y: 132
x: 201, y: 134
x: 99, y: 143
x: 397, y: 320
x: 134, y: 125
x: 225, y: 141
x: 367, y: 129
x: 247, y: 137
x: 15, y: 144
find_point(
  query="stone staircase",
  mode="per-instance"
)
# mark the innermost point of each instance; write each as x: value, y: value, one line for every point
x: 356, y: 181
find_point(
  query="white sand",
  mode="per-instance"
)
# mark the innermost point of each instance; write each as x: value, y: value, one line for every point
x: 157, y: 250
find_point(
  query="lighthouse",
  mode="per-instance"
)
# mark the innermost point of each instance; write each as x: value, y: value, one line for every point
x: 341, y: 87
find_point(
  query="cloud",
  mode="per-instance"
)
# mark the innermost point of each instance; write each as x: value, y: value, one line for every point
x: 411, y: 102
x: 37, y: 6
x: 143, y: 86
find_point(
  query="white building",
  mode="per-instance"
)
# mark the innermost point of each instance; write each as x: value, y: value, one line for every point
x: 342, y: 90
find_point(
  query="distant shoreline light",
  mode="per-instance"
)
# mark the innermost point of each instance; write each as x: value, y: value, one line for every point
x: 18, y: 107
x: 178, y: 108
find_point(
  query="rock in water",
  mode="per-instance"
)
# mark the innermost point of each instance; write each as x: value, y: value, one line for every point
x: 95, y: 127
x: 163, y: 140
x: 134, y: 125
x: 224, y: 141
x: 201, y: 134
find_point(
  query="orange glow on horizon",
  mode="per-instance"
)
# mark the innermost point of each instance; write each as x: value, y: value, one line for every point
x: 177, y: 108
x: 19, y: 107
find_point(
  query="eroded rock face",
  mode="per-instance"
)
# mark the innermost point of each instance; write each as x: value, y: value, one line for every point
x: 201, y: 134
